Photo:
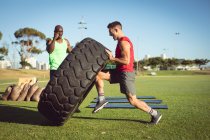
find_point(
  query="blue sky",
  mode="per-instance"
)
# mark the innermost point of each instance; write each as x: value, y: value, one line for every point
x: 150, y: 24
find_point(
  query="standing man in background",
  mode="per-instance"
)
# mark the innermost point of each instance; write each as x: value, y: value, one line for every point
x: 58, y: 47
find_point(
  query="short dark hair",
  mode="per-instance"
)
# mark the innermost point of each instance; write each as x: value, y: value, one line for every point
x: 113, y: 24
x: 57, y: 27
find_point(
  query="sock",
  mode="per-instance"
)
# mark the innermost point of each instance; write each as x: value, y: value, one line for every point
x: 152, y: 112
x: 101, y: 97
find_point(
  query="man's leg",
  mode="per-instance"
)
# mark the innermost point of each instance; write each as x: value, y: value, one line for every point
x: 156, y: 116
x: 100, y: 89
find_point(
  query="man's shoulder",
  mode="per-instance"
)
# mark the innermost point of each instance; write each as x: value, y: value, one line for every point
x: 65, y: 39
x: 124, y: 38
x: 124, y: 43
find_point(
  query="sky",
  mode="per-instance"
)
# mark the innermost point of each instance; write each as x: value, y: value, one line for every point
x: 150, y: 24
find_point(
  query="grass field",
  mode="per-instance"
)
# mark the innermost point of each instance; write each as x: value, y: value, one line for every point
x: 187, y: 96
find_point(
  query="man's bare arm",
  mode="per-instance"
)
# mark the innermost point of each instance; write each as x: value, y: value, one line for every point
x: 69, y: 48
x: 50, y: 46
x: 51, y: 43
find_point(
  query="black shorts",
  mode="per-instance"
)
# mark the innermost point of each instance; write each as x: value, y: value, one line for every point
x: 125, y: 79
x: 52, y: 73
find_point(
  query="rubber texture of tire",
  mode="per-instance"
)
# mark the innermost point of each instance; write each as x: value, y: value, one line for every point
x: 72, y: 82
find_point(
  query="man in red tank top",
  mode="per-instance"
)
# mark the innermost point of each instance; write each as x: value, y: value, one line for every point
x: 124, y: 73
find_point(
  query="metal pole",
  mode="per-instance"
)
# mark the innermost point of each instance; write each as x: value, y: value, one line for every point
x: 137, y: 64
x: 176, y: 34
x: 82, y: 26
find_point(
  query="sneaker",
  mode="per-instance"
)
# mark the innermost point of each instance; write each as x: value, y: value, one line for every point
x: 156, y: 119
x: 100, y: 105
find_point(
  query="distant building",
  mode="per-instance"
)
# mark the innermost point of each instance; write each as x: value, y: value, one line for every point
x: 147, y: 56
x: 42, y: 66
x: 147, y: 68
x: 37, y: 65
x: 163, y: 56
x: 181, y: 67
x: 4, y: 64
x: 31, y: 61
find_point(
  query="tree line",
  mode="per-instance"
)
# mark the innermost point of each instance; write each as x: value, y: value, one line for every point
x: 164, y: 64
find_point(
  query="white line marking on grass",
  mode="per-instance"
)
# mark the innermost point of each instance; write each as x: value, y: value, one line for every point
x: 6, y: 84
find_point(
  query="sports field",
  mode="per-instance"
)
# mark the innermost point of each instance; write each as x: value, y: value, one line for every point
x: 187, y: 95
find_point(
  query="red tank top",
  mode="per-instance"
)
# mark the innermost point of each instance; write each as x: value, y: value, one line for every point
x: 129, y: 67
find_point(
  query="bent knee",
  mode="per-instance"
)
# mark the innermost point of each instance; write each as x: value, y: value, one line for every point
x: 132, y: 100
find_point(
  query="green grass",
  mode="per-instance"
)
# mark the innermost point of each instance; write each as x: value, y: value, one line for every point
x: 188, y: 99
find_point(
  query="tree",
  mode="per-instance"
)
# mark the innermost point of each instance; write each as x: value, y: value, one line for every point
x: 200, y: 62
x: 135, y: 65
x: 28, y: 40
x: 187, y: 62
x: 3, y: 49
x: 1, y: 35
x: 163, y: 64
x: 155, y: 61
x: 4, y: 52
x: 144, y: 62
x: 173, y: 62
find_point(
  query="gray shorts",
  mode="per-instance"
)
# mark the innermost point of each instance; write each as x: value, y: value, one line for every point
x: 125, y: 79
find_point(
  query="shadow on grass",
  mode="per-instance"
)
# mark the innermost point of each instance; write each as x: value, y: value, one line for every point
x: 111, y: 119
x: 18, y: 114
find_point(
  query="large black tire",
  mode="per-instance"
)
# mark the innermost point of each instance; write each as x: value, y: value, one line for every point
x: 72, y: 81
